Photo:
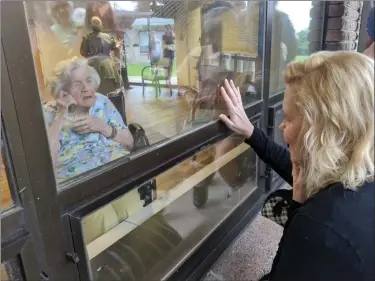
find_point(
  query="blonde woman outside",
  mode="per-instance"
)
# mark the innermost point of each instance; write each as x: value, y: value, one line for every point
x: 329, y: 127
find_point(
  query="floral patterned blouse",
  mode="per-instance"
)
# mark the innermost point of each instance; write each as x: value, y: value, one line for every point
x: 81, y: 153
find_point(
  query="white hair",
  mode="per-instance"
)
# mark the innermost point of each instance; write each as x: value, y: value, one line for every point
x: 62, y: 75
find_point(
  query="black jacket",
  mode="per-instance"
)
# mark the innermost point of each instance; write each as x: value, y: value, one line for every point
x: 331, y: 236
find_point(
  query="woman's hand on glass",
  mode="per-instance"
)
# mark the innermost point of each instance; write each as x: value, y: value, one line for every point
x: 63, y: 101
x: 238, y: 121
x: 88, y: 124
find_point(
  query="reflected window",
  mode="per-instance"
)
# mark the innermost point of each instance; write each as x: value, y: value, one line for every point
x: 290, y: 40
x: 112, y: 71
x: 134, y: 238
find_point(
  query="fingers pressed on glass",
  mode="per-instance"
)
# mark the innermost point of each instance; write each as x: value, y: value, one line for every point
x: 227, y: 121
x: 232, y: 86
x: 226, y: 98
x: 229, y: 91
x: 239, y: 95
x: 234, y: 90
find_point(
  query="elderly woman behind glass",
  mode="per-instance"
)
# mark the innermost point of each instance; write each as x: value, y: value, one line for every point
x: 94, y: 133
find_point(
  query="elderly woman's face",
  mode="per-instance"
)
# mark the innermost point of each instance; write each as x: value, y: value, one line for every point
x: 82, y: 87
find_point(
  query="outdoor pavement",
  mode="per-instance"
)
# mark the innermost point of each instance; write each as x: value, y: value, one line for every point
x: 250, y: 256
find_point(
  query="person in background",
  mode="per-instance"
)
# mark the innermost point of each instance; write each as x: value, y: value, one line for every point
x: 154, y: 51
x: 371, y: 34
x: 169, y: 53
x: 120, y: 57
x: 102, y: 10
x: 93, y: 133
x: 97, y: 43
x: 329, y: 127
x: 66, y: 27
x: 97, y: 47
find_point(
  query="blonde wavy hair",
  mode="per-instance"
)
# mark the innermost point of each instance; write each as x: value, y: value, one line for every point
x: 334, y: 92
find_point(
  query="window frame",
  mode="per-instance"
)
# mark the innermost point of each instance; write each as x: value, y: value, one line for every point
x: 106, y: 178
x: 120, y: 176
x: 194, y: 258
x: 20, y: 233
x: 142, y: 47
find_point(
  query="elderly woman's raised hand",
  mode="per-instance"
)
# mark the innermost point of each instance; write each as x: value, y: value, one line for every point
x: 63, y: 101
x: 238, y: 120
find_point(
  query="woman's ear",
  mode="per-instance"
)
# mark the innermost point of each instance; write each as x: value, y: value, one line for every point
x: 368, y: 42
x: 370, y: 51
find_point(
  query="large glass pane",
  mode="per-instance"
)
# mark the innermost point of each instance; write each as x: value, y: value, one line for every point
x: 151, y: 228
x: 290, y: 38
x: 104, y: 65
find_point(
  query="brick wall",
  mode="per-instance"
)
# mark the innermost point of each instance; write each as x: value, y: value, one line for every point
x: 342, y: 22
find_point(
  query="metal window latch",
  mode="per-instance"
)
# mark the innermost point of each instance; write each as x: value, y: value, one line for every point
x: 44, y: 276
x: 267, y: 173
x: 72, y: 257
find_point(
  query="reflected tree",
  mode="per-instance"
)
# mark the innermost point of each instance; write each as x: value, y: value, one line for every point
x: 303, y: 42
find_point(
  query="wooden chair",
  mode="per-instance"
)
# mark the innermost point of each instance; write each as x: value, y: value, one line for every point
x: 155, y: 74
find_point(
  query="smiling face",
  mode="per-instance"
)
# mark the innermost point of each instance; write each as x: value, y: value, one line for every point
x: 292, y: 123
x: 82, y: 87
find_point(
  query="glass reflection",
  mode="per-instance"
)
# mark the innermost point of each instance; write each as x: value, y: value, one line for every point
x: 159, y: 64
x: 131, y: 239
x: 290, y: 40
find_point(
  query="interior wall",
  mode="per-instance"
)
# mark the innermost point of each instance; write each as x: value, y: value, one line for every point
x: 182, y: 51
x: 47, y: 53
x: 194, y: 35
x: 240, y: 31
x: 188, y: 49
